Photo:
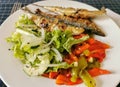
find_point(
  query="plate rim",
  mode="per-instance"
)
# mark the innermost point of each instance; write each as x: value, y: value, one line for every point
x: 38, y: 2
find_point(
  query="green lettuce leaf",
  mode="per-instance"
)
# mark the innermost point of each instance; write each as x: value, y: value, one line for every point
x: 58, y: 38
x: 16, y: 40
x: 23, y: 19
x: 24, y: 23
x: 72, y: 41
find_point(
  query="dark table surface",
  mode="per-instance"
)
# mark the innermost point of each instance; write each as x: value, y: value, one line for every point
x: 6, y: 6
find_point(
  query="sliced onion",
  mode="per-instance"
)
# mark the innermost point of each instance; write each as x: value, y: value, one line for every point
x: 42, y: 33
x: 58, y: 54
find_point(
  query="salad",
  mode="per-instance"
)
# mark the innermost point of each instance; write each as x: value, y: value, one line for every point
x: 63, y: 55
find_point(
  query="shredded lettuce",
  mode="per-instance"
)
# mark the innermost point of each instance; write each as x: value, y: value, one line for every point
x: 25, y: 20
x: 43, y: 51
x: 39, y: 67
x: 16, y: 40
x: 58, y: 55
x: 25, y: 24
x: 60, y: 65
x: 58, y: 38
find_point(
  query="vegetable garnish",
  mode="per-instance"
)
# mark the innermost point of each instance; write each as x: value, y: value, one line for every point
x: 50, y: 50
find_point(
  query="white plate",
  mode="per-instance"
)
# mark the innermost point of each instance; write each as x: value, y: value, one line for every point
x: 11, y: 69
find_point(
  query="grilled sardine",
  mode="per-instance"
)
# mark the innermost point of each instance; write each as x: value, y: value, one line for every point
x: 87, y: 24
x: 68, y: 22
x: 76, y: 13
x: 49, y: 23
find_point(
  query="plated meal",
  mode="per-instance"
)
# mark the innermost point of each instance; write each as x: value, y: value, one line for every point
x: 59, y: 43
x: 60, y: 46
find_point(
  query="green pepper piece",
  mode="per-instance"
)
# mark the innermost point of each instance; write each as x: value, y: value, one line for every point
x: 87, y: 79
x: 82, y: 64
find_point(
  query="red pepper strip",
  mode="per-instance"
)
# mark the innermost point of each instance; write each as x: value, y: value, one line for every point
x: 97, y: 71
x: 63, y: 80
x: 98, y: 45
x: 99, y: 54
x: 91, y: 41
x: 73, y: 57
x: 70, y: 58
x: 80, y: 49
x: 103, y: 45
x: 53, y: 75
x: 78, y: 81
x: 79, y: 36
x: 46, y: 75
x: 68, y: 74
x: 67, y: 59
